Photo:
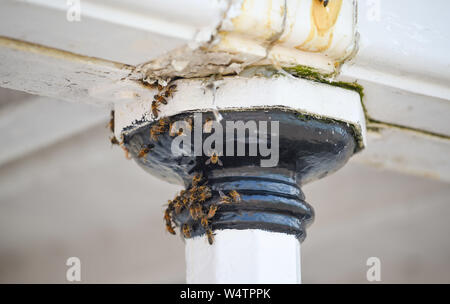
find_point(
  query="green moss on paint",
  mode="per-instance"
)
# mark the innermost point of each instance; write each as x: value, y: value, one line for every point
x: 307, y: 72
x: 313, y: 74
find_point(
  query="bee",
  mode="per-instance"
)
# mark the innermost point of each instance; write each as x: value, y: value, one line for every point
x: 114, y: 141
x: 155, y: 132
x: 199, y: 211
x: 196, y: 212
x: 153, y: 85
x: 170, y: 229
x: 225, y: 199
x: 193, y: 213
x: 159, y: 128
x: 205, y: 193
x: 160, y: 99
x: 185, y: 200
x: 170, y: 205
x: 111, y: 122
x: 212, y: 211
x: 197, y: 179
x: 171, y: 89
x: 214, y: 159
x: 144, y: 151
x: 183, y: 197
x: 178, y: 207
x: 235, y: 196
x: 186, y: 231
x: 203, y: 188
x: 163, y: 122
x: 210, y: 236
x: 205, y: 222
x: 168, y: 219
x: 192, y: 194
x: 167, y: 216
x: 155, y: 108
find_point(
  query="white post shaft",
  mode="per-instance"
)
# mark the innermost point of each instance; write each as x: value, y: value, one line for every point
x: 243, y: 257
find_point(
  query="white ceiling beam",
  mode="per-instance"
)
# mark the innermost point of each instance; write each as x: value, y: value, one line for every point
x: 49, y: 72
x: 402, y: 63
x: 407, y: 151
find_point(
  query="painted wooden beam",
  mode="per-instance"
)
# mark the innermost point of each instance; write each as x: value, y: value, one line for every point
x: 44, y: 71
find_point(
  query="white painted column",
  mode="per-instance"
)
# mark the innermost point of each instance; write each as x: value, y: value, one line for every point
x: 243, y: 256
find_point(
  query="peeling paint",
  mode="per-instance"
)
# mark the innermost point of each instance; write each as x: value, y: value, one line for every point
x: 266, y: 32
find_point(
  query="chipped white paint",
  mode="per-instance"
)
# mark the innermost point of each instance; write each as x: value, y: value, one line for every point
x: 302, y: 43
x: 290, y: 33
x: 243, y: 257
x: 291, y: 93
x: 284, y: 33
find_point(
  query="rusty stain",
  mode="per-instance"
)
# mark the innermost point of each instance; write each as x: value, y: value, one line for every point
x: 323, y: 20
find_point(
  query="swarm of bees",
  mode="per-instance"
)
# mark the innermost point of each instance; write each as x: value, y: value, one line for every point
x: 194, y: 199
x: 164, y: 92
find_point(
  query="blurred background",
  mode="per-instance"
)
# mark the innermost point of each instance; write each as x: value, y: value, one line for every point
x: 64, y: 191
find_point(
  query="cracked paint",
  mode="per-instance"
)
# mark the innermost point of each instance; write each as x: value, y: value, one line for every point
x: 283, y: 33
